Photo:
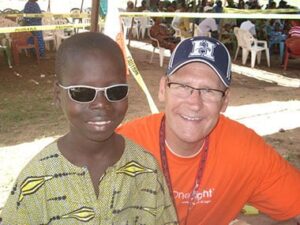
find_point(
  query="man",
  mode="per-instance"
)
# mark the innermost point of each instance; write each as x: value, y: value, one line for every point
x: 250, y: 26
x: 208, y: 25
x: 213, y: 165
x: 32, y: 6
x: 164, y: 35
x: 181, y: 24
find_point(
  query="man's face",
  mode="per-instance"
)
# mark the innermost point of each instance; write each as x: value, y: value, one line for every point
x: 190, y: 119
x: 98, y: 119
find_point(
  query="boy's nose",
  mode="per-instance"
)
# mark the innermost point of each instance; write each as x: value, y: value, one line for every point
x: 100, y: 101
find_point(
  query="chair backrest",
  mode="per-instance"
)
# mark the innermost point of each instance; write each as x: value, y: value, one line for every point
x: 293, y: 45
x: 89, y: 12
x: 75, y: 12
x: 145, y: 21
x: 246, y: 38
x: 236, y: 33
x: 152, y: 38
x: 177, y: 31
x: 48, y: 21
x: 128, y: 21
x: 5, y: 22
x: 60, y: 21
x: 21, y: 38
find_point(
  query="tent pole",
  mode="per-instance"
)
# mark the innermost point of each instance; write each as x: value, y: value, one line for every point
x: 81, y: 7
x: 49, y: 7
x: 95, y: 16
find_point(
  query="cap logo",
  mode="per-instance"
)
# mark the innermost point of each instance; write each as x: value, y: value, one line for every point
x: 203, y: 48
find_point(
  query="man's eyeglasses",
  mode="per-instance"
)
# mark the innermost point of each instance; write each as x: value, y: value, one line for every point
x: 184, y: 91
x: 87, y: 94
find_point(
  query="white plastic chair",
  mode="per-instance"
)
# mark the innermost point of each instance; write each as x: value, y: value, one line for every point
x: 127, y: 22
x: 177, y: 31
x: 145, y: 24
x: 239, y: 42
x: 248, y: 43
x: 60, y: 35
x: 161, y: 51
x: 48, y: 35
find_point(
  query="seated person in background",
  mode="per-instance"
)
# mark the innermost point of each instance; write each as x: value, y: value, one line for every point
x: 218, y: 8
x: 182, y: 23
x: 276, y: 36
x: 227, y: 37
x: 164, y: 35
x: 231, y: 4
x: 91, y: 175
x: 208, y: 25
x: 292, y: 43
x: 33, y: 7
x: 143, y: 6
x: 130, y: 6
x: 250, y: 26
x: 295, y: 29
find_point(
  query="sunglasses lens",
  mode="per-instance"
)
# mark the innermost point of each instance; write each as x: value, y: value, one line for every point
x: 82, y: 94
x: 117, y: 93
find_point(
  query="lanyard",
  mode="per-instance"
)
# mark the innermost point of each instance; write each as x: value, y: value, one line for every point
x: 166, y: 171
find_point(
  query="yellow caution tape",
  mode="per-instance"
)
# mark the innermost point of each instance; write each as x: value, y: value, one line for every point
x: 228, y: 13
x: 55, y: 15
x: 138, y: 77
x: 211, y: 15
x: 250, y: 210
x: 264, y: 11
x: 44, y: 27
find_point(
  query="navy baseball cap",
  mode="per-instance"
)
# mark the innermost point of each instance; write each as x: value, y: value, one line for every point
x: 205, y: 50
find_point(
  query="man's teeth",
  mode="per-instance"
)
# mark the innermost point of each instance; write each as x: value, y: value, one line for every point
x: 99, y: 123
x: 191, y: 118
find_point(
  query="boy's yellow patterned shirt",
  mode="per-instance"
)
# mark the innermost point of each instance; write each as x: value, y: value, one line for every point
x: 51, y: 190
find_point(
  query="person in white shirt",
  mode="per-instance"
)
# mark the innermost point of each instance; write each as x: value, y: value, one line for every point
x: 250, y: 26
x: 208, y: 25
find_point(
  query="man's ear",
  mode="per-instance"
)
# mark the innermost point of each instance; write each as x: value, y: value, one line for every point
x: 225, y: 101
x: 57, y: 95
x: 162, y: 89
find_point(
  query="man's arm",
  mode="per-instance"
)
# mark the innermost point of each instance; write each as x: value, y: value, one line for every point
x: 297, y: 218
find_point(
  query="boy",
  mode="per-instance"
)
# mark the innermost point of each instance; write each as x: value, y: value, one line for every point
x: 91, y: 175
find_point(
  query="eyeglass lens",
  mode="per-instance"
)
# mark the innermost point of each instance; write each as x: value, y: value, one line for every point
x: 85, y: 94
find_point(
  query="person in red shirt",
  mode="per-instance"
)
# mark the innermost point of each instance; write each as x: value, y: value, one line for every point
x: 213, y: 165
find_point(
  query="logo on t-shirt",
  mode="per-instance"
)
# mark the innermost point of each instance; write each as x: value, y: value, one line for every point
x: 202, y: 197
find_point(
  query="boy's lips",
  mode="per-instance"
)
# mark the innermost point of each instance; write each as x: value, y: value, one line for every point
x: 99, y: 123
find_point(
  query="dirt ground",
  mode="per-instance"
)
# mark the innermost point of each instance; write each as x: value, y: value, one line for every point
x: 27, y: 110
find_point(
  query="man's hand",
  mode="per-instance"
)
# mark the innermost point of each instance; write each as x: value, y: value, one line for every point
x: 297, y: 218
x: 238, y: 222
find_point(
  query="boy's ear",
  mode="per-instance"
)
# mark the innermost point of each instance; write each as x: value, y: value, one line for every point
x: 57, y: 96
x: 162, y: 89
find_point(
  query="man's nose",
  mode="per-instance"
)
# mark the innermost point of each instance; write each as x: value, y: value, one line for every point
x: 195, y: 98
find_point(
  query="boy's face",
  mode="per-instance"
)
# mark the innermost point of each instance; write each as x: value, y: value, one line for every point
x: 98, y: 119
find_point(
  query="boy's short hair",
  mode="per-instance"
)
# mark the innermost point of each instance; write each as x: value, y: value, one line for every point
x: 82, y: 44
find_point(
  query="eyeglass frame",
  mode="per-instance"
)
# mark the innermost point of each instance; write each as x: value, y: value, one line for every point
x: 97, y: 89
x: 169, y: 83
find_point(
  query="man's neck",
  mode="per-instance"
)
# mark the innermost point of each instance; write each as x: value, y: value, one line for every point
x: 184, y: 149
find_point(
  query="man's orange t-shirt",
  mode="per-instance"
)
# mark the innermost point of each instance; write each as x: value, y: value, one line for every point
x: 240, y: 168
